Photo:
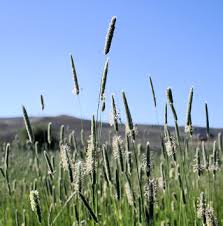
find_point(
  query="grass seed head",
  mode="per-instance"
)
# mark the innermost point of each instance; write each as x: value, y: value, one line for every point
x: 129, y: 194
x: 115, y: 116
x: 151, y: 191
x: 109, y: 36
x: 28, y: 125
x: 42, y: 102
x: 78, y: 176
x: 65, y: 154
x: 90, y: 163
x: 76, y: 89
x: 129, y: 125
x: 35, y: 203
x: 49, y: 133
x: 104, y: 80
x: 169, y: 95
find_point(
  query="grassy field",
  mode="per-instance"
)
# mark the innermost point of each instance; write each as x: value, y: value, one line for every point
x: 117, y: 180
x: 119, y: 183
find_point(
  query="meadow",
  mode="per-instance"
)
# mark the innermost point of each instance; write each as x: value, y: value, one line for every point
x: 117, y: 181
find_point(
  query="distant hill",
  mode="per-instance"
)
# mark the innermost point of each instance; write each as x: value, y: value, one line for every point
x: 9, y: 127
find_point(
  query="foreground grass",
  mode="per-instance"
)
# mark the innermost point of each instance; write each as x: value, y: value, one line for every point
x: 166, y: 191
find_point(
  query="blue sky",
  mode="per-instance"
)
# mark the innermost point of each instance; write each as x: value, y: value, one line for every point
x: 179, y: 43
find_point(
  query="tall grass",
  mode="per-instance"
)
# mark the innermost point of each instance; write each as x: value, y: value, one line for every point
x: 123, y: 182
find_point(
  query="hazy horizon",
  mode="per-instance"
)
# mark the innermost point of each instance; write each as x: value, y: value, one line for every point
x: 104, y: 121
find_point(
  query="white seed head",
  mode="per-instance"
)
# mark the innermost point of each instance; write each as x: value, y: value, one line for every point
x: 114, y: 116
x: 213, y: 165
x: 90, y: 162
x: 206, y: 212
x: 130, y: 131
x: 65, y: 154
x: 34, y: 199
x: 188, y: 129
x: 117, y: 144
x: 201, y: 207
x: 170, y: 145
x: 210, y: 216
x: 78, y: 176
x: 198, y: 167
x: 129, y: 194
x: 151, y: 190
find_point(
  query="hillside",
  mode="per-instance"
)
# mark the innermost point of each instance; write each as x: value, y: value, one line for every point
x: 9, y: 127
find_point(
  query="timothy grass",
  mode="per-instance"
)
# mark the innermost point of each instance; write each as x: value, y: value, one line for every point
x: 97, y: 182
x: 170, y: 189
